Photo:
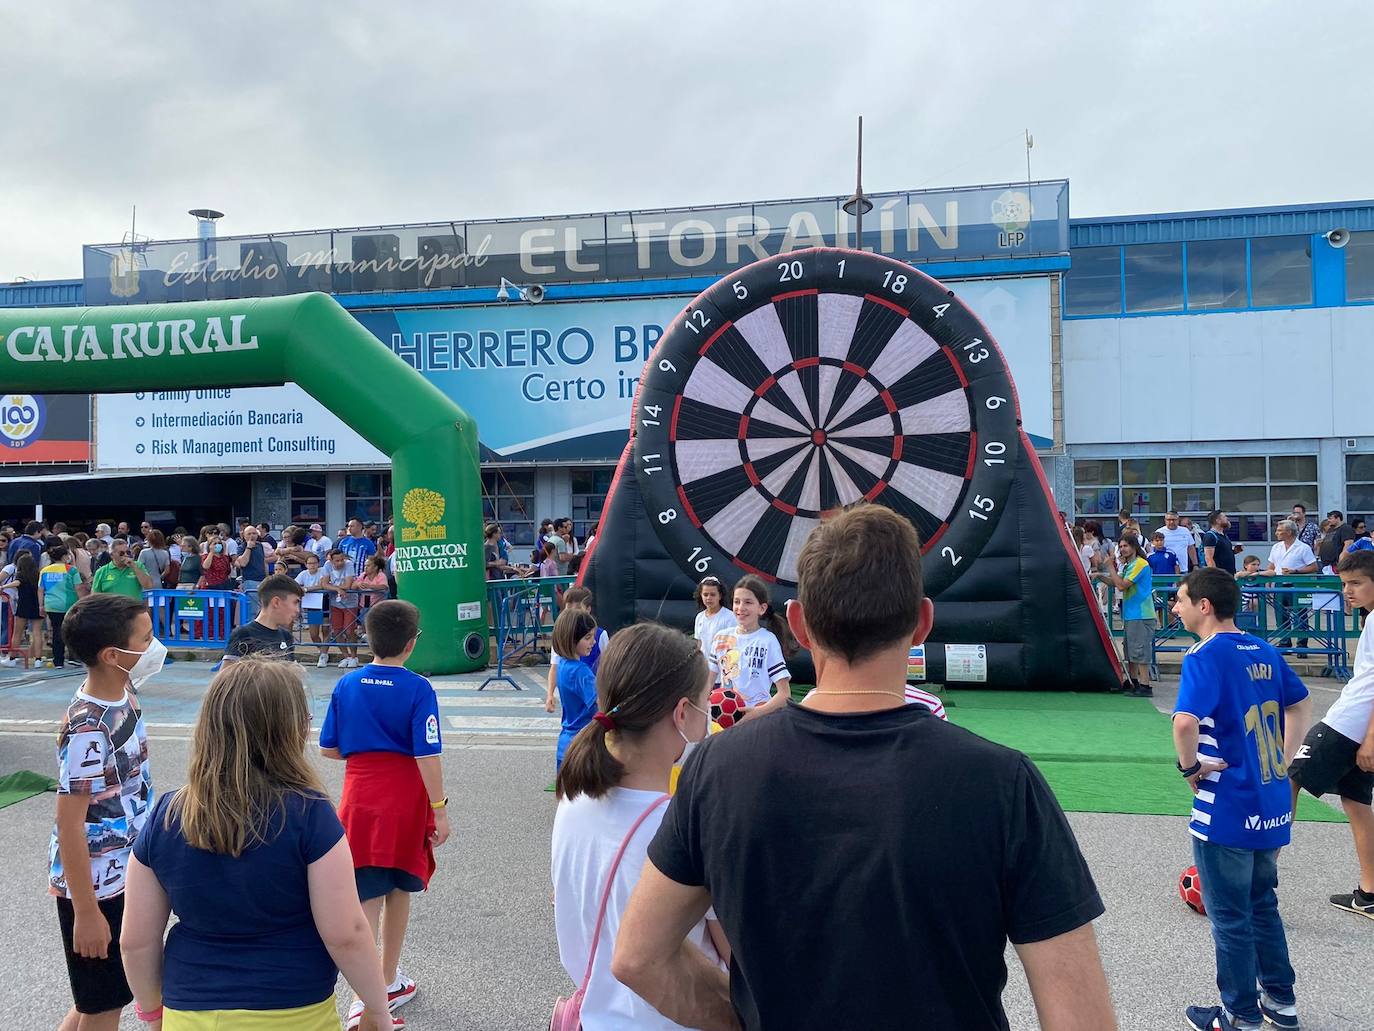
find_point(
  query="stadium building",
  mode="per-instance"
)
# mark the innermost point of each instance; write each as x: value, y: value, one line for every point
x: 1186, y: 360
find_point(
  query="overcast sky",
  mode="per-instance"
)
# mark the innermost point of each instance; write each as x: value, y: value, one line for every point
x: 367, y: 113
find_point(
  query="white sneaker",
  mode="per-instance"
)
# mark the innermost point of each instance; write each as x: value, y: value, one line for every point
x: 323, y: 661
x: 6, y: 660
x: 401, y: 992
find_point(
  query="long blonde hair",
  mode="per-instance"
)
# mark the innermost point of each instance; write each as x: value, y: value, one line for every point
x: 247, y: 756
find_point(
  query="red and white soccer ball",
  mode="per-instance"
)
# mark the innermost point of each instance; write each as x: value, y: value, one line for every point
x: 1190, y: 890
x: 727, y: 707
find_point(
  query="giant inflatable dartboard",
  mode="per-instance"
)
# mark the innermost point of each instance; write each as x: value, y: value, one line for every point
x: 808, y: 382
x: 805, y: 384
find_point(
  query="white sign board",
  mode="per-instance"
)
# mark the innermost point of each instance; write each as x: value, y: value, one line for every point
x: 249, y: 428
x: 966, y: 662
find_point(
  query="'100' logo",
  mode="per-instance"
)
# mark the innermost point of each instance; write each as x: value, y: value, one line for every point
x: 21, y: 419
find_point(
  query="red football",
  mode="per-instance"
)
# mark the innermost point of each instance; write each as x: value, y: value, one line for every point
x: 1190, y: 890
x: 727, y: 707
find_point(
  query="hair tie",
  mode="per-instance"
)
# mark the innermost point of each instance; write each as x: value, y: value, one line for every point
x: 606, y: 721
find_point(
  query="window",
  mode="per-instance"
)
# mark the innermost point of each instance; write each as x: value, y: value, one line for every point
x: 589, y: 490
x: 1253, y: 490
x: 1359, y: 267
x: 1359, y: 487
x: 1094, y: 281
x: 307, y: 499
x: 1280, y: 271
x: 509, y: 500
x: 1154, y: 277
x: 367, y: 496
x: 1216, y: 274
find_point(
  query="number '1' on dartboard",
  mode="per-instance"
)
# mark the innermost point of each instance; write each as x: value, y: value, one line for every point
x: 816, y: 380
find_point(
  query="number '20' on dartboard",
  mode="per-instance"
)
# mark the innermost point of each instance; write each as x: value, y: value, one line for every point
x: 810, y: 381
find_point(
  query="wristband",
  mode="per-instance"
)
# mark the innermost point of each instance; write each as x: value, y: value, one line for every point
x: 147, y: 1016
x: 1191, y: 770
x: 442, y: 804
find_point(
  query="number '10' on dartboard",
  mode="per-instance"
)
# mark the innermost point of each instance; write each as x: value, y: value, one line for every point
x: 810, y: 381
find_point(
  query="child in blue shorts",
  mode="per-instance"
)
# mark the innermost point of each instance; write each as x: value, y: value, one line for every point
x: 384, y: 720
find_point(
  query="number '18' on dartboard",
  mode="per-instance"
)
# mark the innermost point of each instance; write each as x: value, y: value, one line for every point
x: 807, y: 382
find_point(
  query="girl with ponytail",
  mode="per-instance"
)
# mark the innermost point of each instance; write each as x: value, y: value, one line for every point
x: 652, y: 690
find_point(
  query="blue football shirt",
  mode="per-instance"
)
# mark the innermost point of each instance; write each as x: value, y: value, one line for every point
x: 358, y: 550
x: 1238, y: 687
x: 1163, y: 562
x: 382, y: 709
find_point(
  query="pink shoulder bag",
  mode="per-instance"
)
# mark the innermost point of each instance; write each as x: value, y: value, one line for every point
x: 567, y: 1011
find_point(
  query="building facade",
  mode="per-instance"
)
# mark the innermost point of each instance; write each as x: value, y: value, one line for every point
x: 1188, y: 361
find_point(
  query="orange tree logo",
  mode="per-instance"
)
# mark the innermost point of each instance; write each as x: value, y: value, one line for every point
x: 424, y: 508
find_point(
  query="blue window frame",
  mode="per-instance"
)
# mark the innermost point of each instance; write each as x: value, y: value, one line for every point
x: 1280, y: 271
x: 1153, y: 277
x: 1216, y: 275
x: 1094, y: 282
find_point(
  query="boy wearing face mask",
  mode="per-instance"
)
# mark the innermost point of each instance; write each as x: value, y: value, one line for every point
x: 103, y: 799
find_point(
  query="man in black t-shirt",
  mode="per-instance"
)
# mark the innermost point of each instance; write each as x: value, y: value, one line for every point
x: 269, y: 636
x: 1338, y: 533
x: 867, y: 861
x: 1217, y: 547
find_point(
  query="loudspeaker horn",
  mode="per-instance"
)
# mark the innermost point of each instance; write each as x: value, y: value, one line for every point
x: 1338, y: 238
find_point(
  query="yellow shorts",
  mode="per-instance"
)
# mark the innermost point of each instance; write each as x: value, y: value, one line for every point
x: 322, y: 1016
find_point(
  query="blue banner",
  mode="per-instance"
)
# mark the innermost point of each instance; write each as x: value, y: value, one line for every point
x: 556, y: 381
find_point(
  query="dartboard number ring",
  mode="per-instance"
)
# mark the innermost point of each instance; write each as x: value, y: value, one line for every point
x: 809, y: 381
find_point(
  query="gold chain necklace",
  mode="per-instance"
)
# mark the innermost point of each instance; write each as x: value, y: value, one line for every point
x: 890, y: 694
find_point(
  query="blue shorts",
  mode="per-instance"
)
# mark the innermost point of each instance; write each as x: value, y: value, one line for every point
x: 315, y: 617
x: 376, y: 881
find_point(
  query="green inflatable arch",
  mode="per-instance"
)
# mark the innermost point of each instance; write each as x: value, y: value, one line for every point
x: 304, y: 339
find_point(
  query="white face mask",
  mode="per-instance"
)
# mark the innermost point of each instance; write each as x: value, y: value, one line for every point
x: 149, y: 663
x: 687, y: 743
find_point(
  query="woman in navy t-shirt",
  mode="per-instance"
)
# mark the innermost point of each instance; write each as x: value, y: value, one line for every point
x: 252, y: 859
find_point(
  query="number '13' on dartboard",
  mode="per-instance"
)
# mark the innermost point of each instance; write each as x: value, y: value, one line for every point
x: 813, y: 380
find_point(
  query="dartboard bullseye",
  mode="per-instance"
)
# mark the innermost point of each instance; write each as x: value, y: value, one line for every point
x: 808, y: 382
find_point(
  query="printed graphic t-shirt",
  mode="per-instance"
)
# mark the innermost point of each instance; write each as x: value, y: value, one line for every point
x: 749, y: 663
x: 102, y: 752
x: 263, y: 642
x: 382, y: 709
x: 1238, y: 687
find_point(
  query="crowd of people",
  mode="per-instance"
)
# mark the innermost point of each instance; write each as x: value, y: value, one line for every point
x: 49, y: 566
x: 1130, y: 564
x: 915, y: 849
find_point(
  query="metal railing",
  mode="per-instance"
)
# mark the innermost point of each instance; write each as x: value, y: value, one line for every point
x: 1303, y: 617
x: 522, y: 613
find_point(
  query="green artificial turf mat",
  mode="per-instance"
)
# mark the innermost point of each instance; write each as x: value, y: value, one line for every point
x: 22, y: 784
x: 1100, y: 753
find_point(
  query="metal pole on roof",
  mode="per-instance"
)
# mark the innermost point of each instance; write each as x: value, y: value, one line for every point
x: 858, y: 205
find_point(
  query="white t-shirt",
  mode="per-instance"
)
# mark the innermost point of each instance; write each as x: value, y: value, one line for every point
x: 1349, y: 714
x: 321, y: 547
x: 1085, y: 555
x: 312, y: 599
x: 586, y: 835
x: 231, y: 547
x: 602, y: 640
x: 1295, y: 557
x: 708, y: 626
x: 12, y: 591
x: 1178, y: 540
x: 749, y: 663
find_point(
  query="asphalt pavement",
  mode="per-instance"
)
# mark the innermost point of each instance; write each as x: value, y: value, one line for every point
x: 481, y: 942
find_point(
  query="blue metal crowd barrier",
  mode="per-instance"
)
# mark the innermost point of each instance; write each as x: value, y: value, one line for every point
x: 195, y: 619
x: 1302, y: 617
x: 522, y: 612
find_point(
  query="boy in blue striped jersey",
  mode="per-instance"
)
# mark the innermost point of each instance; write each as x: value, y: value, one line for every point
x: 1241, y: 714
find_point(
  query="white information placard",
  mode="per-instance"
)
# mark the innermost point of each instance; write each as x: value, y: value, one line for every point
x: 254, y: 428
x: 966, y: 662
